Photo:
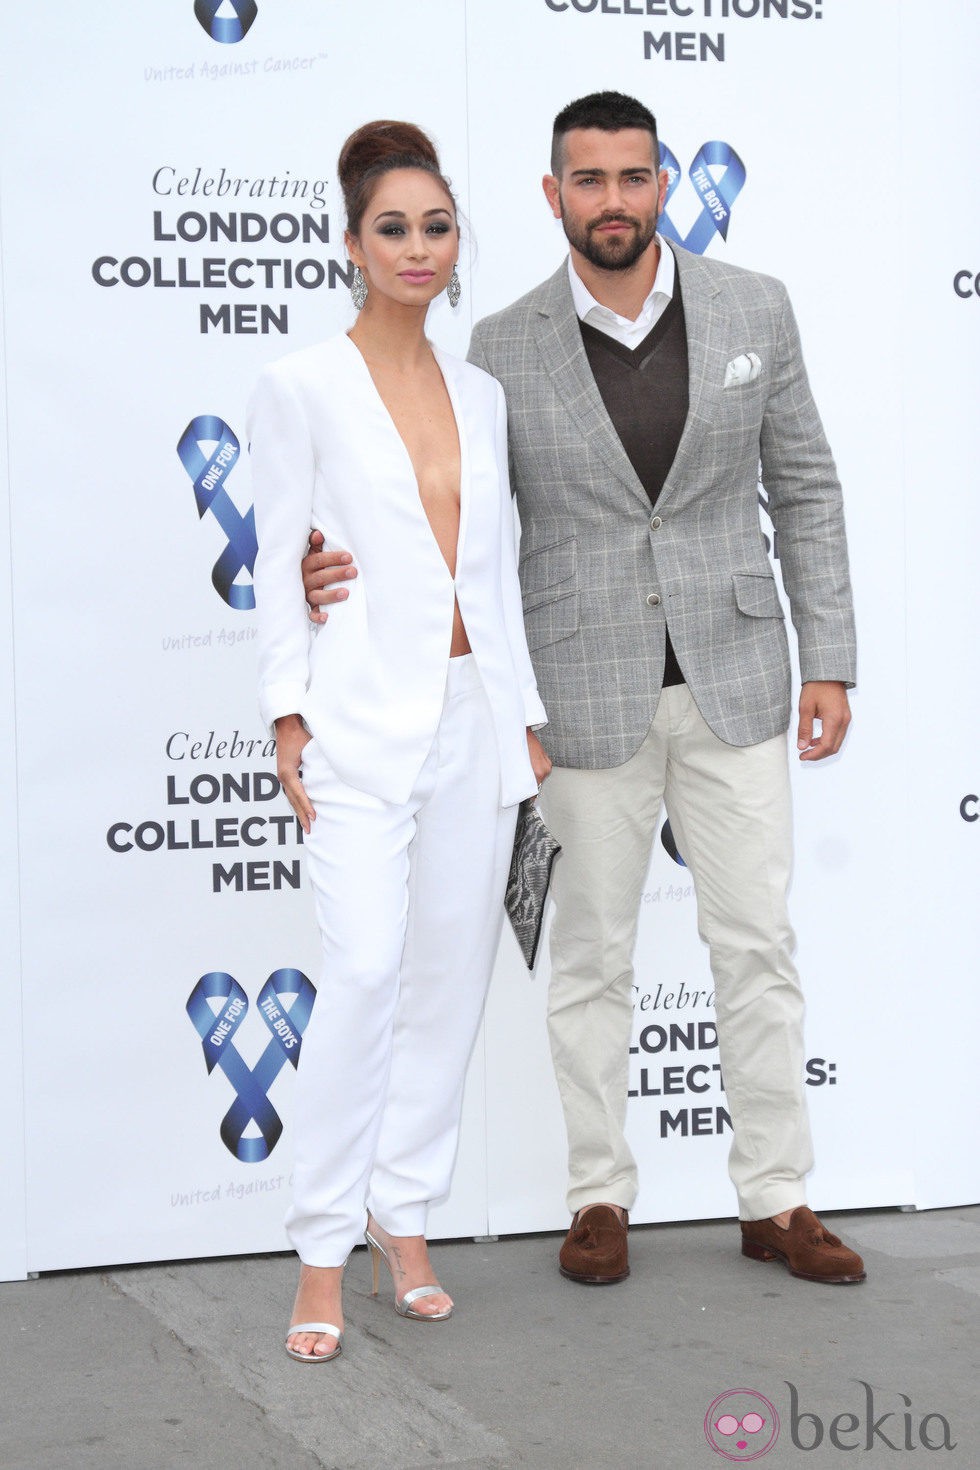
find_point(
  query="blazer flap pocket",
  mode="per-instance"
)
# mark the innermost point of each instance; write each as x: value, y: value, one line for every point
x: 546, y: 566
x: 552, y: 618
x: 756, y: 595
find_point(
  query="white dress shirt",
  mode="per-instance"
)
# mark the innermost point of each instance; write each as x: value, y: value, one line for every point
x: 630, y: 333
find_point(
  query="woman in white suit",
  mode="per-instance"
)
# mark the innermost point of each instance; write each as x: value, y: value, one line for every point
x: 403, y: 726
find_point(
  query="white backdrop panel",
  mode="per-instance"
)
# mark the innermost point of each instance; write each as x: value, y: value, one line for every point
x: 941, y: 307
x: 137, y: 690
x: 802, y: 214
x: 135, y: 685
x: 13, y: 1238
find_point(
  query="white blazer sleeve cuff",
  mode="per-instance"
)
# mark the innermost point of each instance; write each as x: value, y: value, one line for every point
x: 535, y: 714
x: 286, y: 698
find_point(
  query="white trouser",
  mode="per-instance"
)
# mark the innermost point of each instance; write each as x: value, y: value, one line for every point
x: 730, y: 812
x: 409, y: 900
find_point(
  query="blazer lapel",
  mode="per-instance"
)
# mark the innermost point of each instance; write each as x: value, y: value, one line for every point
x: 457, y: 401
x: 706, y: 322
x: 556, y: 328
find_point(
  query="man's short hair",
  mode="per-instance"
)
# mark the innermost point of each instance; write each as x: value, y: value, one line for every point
x: 610, y: 111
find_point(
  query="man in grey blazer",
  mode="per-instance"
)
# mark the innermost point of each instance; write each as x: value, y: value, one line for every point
x: 644, y: 385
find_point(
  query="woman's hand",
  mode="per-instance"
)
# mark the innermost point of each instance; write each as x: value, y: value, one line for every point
x: 540, y: 759
x: 292, y: 738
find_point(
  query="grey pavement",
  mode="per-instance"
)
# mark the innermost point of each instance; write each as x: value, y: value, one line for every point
x: 153, y: 1367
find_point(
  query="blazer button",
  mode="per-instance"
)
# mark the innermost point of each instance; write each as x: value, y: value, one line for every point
x: 653, y: 600
x: 656, y: 523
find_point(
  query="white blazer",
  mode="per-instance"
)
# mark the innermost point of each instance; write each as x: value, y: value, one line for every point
x: 369, y: 683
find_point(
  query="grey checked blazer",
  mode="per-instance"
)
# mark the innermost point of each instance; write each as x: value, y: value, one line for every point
x: 602, y: 576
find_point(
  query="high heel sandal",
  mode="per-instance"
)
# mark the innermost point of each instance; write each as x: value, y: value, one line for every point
x: 403, y: 1305
x: 324, y: 1327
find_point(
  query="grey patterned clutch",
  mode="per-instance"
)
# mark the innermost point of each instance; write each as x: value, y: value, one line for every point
x: 534, y: 854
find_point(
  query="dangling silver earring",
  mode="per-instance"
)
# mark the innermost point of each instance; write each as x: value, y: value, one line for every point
x: 454, y: 290
x: 358, y: 288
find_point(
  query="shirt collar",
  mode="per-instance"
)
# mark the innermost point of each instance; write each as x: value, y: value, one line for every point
x: 663, y: 285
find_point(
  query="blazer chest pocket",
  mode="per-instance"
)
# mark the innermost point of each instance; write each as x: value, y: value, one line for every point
x: 551, y: 603
x: 546, y: 567
x: 756, y: 595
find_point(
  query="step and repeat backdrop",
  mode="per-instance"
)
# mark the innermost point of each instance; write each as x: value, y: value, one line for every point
x: 169, y: 222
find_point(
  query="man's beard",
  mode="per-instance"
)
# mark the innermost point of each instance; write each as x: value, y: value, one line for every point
x: 613, y: 252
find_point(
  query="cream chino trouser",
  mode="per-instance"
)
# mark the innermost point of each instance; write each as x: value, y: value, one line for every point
x: 730, y: 813
x: 409, y: 899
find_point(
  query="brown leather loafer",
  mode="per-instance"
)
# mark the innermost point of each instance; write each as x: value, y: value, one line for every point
x: 595, y: 1250
x: 806, y: 1249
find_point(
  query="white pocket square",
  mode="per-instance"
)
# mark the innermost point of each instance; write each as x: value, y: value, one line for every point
x: 744, y: 369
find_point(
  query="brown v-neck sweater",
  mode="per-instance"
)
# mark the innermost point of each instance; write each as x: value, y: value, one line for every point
x: 644, y: 391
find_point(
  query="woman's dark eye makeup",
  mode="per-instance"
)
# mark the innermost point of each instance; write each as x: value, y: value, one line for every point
x: 434, y: 227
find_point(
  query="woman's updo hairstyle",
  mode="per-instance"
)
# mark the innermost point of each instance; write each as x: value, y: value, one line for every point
x: 376, y: 149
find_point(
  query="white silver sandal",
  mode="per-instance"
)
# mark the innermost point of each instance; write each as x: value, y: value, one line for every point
x: 403, y: 1305
x: 325, y: 1328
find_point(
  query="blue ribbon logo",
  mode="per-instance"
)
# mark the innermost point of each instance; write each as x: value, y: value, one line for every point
x: 773, y: 545
x: 208, y: 474
x: 251, y: 1084
x: 670, y: 845
x: 228, y: 29
x: 716, y: 198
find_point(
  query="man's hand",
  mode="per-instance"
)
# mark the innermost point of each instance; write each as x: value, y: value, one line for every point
x: 824, y: 701
x: 324, y: 573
